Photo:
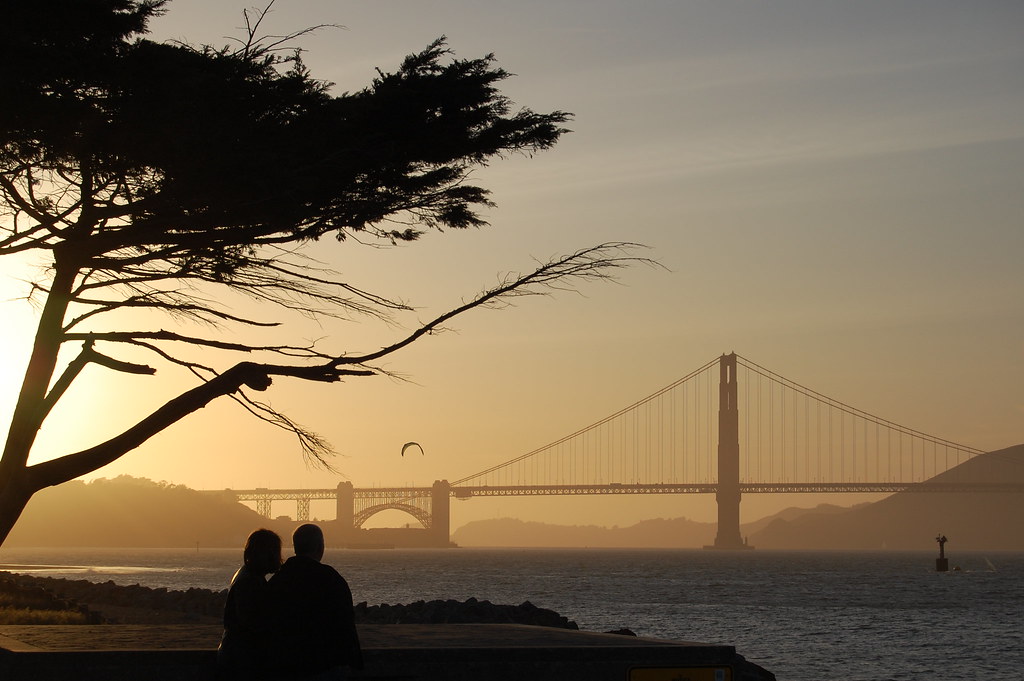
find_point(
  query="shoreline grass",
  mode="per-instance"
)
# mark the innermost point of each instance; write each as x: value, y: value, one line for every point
x: 12, y: 615
x: 27, y: 603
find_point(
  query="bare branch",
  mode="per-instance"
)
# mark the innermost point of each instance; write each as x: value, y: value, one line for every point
x: 245, y: 374
x: 315, y: 449
x: 597, y: 262
x: 200, y: 371
x: 294, y: 286
x: 120, y: 365
x: 64, y: 381
x: 190, y: 310
x: 255, y: 44
x: 132, y: 337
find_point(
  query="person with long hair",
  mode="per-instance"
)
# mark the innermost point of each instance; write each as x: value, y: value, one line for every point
x: 246, y: 612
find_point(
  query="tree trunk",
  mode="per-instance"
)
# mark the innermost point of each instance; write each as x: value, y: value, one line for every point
x: 14, y: 496
x: 16, y: 483
x: 30, y: 409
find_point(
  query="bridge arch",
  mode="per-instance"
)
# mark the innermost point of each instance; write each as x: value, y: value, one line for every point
x: 421, y: 515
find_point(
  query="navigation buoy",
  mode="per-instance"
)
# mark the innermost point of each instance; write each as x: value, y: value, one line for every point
x: 942, y: 563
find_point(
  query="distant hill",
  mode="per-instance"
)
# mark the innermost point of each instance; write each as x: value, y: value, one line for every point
x: 127, y: 511
x: 792, y: 513
x: 972, y: 521
x: 656, y: 533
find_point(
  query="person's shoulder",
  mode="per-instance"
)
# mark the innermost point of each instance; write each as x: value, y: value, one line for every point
x: 239, y: 574
x: 329, y: 568
x: 307, y: 567
x: 300, y: 567
x: 288, y: 570
x: 327, y: 575
x: 246, y: 574
x: 326, y: 572
x: 246, y: 580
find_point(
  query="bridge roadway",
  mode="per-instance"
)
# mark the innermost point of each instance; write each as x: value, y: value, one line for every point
x: 430, y: 506
x: 466, y: 492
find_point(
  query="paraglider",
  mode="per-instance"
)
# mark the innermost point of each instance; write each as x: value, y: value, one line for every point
x: 412, y: 444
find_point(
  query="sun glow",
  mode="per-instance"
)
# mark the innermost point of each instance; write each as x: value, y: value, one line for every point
x: 18, y: 319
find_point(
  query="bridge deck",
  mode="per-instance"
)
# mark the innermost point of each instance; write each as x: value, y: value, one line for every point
x: 627, y: 488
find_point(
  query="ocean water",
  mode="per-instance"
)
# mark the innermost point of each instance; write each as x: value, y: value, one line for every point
x: 806, y: 616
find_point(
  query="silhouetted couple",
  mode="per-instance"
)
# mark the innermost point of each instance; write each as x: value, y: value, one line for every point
x: 299, y: 624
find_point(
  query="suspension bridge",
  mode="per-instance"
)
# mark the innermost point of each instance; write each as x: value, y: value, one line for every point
x: 729, y: 428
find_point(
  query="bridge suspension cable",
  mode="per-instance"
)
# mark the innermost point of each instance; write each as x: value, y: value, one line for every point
x: 853, y: 411
x: 628, y: 436
x: 668, y: 420
x: 789, y: 435
x: 793, y: 434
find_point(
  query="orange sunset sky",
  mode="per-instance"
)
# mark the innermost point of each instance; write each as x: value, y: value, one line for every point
x: 835, y: 191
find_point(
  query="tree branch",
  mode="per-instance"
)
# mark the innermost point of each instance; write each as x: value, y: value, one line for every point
x: 190, y: 310
x: 315, y: 449
x: 597, y: 262
x: 245, y: 374
x: 74, y: 368
x: 591, y: 263
x: 133, y: 336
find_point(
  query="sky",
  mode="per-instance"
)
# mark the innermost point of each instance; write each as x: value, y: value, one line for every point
x: 834, y: 190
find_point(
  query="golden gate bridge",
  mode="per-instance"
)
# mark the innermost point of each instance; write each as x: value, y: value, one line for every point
x: 730, y: 427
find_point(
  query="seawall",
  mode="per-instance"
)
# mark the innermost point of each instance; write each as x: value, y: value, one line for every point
x: 410, y: 652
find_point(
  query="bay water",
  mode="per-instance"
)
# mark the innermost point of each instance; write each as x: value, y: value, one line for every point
x: 806, y: 616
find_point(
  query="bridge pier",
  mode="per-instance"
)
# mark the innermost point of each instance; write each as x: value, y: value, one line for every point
x: 728, y: 494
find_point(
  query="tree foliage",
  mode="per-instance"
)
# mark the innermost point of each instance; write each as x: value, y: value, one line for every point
x: 150, y: 176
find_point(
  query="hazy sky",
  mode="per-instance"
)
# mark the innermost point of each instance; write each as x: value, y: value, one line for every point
x: 836, y: 191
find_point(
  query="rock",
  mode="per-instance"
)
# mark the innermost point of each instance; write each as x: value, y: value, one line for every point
x: 472, y: 611
x: 129, y: 604
x: 20, y: 595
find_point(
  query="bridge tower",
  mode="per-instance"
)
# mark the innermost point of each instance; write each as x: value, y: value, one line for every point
x: 440, y: 512
x: 346, y: 508
x: 728, y: 495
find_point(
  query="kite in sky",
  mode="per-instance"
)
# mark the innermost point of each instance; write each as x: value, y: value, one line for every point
x: 412, y: 444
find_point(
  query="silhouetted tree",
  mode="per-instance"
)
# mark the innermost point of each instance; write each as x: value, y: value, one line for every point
x: 149, y: 175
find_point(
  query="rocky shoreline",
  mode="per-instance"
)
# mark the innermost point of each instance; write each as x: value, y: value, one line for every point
x: 111, y: 603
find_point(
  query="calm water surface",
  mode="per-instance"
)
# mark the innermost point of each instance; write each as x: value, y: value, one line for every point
x: 807, y: 616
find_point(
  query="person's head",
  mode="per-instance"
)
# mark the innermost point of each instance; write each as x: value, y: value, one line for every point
x: 308, y: 541
x: 262, y: 551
